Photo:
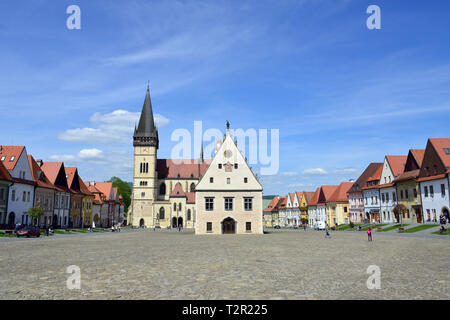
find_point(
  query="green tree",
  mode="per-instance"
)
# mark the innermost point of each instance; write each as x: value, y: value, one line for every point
x: 35, y: 213
x: 124, y: 190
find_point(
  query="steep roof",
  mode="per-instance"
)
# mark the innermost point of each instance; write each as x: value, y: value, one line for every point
x: 83, y: 188
x: 105, y: 188
x: 407, y: 175
x: 292, y: 197
x: 325, y: 193
x: 38, y: 174
x: 4, y: 174
x: 309, y: 195
x: 190, y: 197
x: 315, y: 198
x: 368, y: 172
x: 181, y: 168
x: 282, y: 203
x: 340, y: 195
x: 397, y: 164
x: 51, y: 170
x: 418, y: 155
x: 178, y: 191
x: 10, y: 152
x: 441, y: 145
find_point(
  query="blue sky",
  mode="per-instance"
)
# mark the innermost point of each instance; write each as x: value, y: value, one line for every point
x: 341, y: 95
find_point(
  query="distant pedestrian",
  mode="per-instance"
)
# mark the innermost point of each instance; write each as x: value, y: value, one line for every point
x: 304, y: 226
x: 369, y: 234
x: 154, y: 228
x: 327, y: 233
x: 47, y: 231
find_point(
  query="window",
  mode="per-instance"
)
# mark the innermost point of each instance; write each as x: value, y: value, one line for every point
x: 24, y: 196
x: 387, y: 196
x: 394, y: 198
x: 220, y: 166
x: 209, y: 204
x: 345, y: 209
x: 209, y: 227
x: 162, y: 189
x: 382, y: 197
x: 431, y: 191
x: 179, y: 206
x: 245, y: 180
x: 228, y: 180
x: 406, y: 194
x: 192, y: 188
x: 12, y: 159
x: 2, y: 159
x: 443, y: 189
x: 211, y: 180
x: 161, y: 213
x: 174, y: 207
x: 401, y: 194
x: 248, y: 204
x: 13, y: 195
x: 189, y: 215
x: 248, y: 226
x: 447, y: 150
x: 228, y: 204
x: 143, y: 194
x: 235, y: 165
x: 415, y: 192
x: 425, y: 189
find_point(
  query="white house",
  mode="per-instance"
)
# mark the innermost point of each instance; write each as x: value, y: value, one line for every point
x: 21, y: 192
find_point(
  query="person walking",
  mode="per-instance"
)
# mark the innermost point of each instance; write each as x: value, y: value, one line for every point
x: 369, y: 234
x: 327, y: 233
x: 47, y: 231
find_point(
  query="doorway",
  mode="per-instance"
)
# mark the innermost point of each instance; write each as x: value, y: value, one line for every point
x: 229, y: 226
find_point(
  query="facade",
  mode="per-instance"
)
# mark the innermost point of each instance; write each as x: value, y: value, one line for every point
x: 21, y: 191
x: 282, y: 212
x: 269, y: 221
x: 408, y: 189
x: 371, y: 194
x: 434, y: 180
x: 76, y: 197
x: 393, y: 166
x: 312, y: 208
x: 325, y: 194
x: 56, y: 174
x: 44, y: 193
x: 228, y: 196
x: 338, y: 205
x: 5, y: 182
x: 304, y: 198
x: 355, y: 194
x: 87, y: 204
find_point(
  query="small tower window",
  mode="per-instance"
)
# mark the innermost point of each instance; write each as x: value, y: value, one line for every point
x: 245, y: 180
x: 220, y: 166
x: 211, y: 180
x: 235, y: 165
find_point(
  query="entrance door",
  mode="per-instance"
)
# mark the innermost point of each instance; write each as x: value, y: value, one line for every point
x: 174, y: 222
x: 11, y: 219
x: 419, y: 215
x: 229, y: 226
x: 180, y: 221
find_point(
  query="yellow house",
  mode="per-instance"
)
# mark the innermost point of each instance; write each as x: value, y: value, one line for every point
x: 408, y: 188
x: 337, y: 206
x: 304, y: 198
x: 86, y: 204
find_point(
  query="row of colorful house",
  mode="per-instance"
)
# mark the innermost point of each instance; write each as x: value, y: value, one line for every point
x: 410, y: 188
x: 66, y: 200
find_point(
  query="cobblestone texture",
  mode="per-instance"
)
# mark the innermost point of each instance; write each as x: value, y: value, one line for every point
x: 284, y: 264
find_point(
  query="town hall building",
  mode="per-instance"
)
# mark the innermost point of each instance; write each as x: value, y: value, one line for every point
x: 215, y: 196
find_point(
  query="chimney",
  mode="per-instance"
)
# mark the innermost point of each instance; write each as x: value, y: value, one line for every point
x: 40, y: 162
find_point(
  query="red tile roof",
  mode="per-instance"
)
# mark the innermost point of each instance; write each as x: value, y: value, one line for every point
x: 178, y: 168
x: 327, y: 191
x: 309, y: 195
x: 4, y: 173
x: 51, y: 170
x: 282, y: 203
x: 340, y: 195
x: 418, y: 155
x: 272, y: 205
x: 178, y: 191
x: 363, y: 178
x: 70, y: 174
x: 397, y: 164
x: 435, y: 177
x: 408, y: 175
x: 83, y: 188
x: 8, y: 152
x: 38, y: 174
x: 315, y: 198
x: 105, y: 188
x: 190, y: 197
x: 439, y: 145
x: 292, y: 197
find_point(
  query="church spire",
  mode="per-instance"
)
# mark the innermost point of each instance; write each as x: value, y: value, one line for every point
x: 146, y: 133
x: 201, y: 153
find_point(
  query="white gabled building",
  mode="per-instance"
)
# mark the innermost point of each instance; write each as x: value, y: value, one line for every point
x: 228, y: 197
x: 434, y: 180
x: 21, y: 192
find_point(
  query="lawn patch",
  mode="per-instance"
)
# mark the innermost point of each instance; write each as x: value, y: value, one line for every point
x: 419, y: 228
x: 393, y: 227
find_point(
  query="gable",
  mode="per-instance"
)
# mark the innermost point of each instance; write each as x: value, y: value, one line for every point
x: 387, y: 175
x: 432, y: 163
x: 227, y: 177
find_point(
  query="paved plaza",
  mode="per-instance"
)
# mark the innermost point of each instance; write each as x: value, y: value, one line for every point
x: 282, y: 264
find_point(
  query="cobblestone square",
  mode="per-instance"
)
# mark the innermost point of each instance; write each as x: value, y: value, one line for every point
x: 282, y: 264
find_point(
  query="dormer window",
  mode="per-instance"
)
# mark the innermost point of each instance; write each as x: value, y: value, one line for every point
x: 3, y: 158
x: 12, y: 159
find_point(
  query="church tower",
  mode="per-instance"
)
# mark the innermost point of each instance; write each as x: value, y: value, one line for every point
x: 145, y: 142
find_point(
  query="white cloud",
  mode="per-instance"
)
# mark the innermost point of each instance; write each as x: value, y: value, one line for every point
x: 88, y: 155
x: 113, y: 128
x: 345, y: 171
x: 315, y: 171
x: 289, y: 174
x: 294, y: 185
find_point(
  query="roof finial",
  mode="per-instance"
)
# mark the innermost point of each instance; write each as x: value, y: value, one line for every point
x: 228, y: 125
x: 148, y: 85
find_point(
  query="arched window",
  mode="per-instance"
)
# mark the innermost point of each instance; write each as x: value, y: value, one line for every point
x: 189, y: 215
x: 161, y: 213
x: 179, y: 206
x: 162, y: 189
x: 174, y: 207
x: 192, y: 187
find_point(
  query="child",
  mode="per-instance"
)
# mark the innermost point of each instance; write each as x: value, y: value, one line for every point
x: 369, y: 234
